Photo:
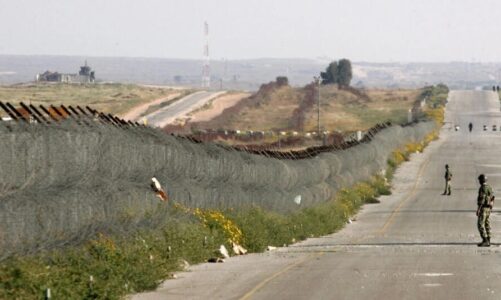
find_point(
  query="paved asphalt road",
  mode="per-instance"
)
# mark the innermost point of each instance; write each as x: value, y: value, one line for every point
x: 415, y: 244
x: 166, y: 115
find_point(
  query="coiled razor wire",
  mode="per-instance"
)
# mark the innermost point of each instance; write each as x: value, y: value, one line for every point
x: 62, y: 183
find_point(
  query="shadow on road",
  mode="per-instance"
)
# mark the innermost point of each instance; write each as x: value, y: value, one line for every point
x: 430, y: 211
x: 393, y: 244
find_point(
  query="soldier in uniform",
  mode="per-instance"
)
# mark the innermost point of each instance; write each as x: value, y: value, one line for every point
x: 448, y: 177
x: 485, y: 201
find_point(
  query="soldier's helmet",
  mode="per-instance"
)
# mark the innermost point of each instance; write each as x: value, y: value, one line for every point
x: 482, y: 178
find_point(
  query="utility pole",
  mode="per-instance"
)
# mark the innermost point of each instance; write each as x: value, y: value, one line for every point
x: 206, y: 67
x: 317, y: 82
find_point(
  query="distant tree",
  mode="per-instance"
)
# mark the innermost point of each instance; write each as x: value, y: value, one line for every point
x: 443, y: 87
x: 344, y: 72
x: 339, y: 72
x: 282, y: 80
x: 330, y: 75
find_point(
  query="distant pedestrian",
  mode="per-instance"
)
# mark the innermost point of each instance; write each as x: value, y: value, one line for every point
x: 470, y: 126
x: 485, y: 201
x: 448, y: 178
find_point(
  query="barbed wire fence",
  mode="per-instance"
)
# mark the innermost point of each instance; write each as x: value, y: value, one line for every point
x: 61, y: 183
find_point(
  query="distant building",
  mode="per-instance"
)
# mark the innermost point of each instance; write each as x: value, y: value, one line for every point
x: 85, y: 75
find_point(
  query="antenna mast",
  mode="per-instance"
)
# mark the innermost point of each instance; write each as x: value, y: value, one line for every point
x: 206, y: 66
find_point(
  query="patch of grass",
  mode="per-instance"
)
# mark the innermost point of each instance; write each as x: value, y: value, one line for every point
x: 262, y: 228
x: 400, y: 155
x: 436, y: 95
x: 343, y: 111
x: 436, y: 114
x: 110, y: 98
x: 369, y: 117
x: 414, y: 147
x: 119, y: 266
x: 436, y: 99
x: 381, y: 184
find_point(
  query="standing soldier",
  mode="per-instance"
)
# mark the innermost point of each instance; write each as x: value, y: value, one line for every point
x: 448, y: 177
x: 485, y: 201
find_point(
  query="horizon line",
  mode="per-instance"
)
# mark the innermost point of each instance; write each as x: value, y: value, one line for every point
x: 318, y: 58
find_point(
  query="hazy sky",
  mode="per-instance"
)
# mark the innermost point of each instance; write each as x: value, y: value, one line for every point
x: 362, y: 30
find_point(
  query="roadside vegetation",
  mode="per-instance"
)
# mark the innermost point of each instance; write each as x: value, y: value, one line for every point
x: 435, y: 95
x: 344, y: 111
x: 110, y: 267
x: 109, y: 98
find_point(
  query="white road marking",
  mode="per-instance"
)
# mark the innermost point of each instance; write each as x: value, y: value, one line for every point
x: 494, y: 174
x: 433, y: 274
x: 432, y: 284
x: 490, y: 165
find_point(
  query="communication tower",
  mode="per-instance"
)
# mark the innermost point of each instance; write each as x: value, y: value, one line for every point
x: 206, y: 66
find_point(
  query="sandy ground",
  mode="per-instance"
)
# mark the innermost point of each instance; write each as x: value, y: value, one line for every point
x: 134, y: 113
x: 217, y: 107
x: 171, y: 87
